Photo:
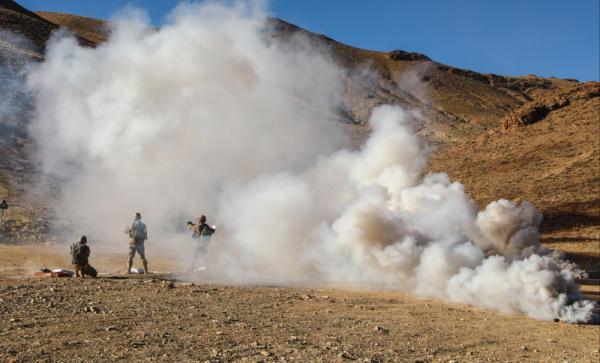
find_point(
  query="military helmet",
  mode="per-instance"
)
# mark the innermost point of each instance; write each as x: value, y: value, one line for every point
x: 83, y: 239
x: 137, y: 216
x: 202, y: 218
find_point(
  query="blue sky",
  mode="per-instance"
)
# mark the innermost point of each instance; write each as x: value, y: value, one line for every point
x: 508, y: 37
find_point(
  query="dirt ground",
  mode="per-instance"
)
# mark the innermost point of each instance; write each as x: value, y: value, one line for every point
x: 157, y: 318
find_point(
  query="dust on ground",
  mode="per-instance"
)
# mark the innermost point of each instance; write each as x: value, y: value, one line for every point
x: 159, y: 318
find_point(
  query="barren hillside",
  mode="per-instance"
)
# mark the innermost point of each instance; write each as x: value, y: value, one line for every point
x: 94, y: 30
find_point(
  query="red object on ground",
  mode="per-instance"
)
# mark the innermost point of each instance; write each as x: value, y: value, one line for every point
x: 51, y: 274
x: 42, y: 274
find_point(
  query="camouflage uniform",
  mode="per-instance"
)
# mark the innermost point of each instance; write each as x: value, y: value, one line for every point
x: 201, y: 234
x: 137, y: 236
x: 81, y: 253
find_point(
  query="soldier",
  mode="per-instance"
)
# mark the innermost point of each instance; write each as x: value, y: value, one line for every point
x: 201, y: 234
x: 80, y: 252
x: 138, y: 234
x: 3, y: 207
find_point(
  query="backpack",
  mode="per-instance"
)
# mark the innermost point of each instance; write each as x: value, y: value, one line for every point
x: 76, y: 254
x: 138, y: 231
x: 208, y: 230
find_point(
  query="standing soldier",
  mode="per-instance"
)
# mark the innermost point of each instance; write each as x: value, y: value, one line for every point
x: 138, y: 234
x: 3, y: 207
x: 201, y: 234
x: 80, y: 252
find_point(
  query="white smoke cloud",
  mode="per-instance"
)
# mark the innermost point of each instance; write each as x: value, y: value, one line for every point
x: 211, y: 115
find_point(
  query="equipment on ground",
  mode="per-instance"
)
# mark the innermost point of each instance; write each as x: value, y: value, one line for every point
x: 59, y: 272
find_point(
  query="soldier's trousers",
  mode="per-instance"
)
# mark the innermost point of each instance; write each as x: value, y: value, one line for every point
x: 89, y: 270
x: 200, y: 250
x: 86, y: 270
x: 139, y: 248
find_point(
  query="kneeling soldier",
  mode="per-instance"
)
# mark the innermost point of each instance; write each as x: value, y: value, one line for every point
x: 80, y: 252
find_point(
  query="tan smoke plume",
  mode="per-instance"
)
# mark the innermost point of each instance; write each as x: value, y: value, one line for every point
x: 211, y: 113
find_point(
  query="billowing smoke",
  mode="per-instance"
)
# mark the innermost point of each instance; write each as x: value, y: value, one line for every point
x: 211, y: 114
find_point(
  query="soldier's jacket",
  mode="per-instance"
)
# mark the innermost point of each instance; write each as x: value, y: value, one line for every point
x: 201, y: 229
x: 80, y: 253
x: 138, y: 232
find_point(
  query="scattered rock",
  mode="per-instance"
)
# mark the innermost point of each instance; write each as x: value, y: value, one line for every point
x: 346, y: 355
x: 536, y: 110
x: 93, y: 309
x: 400, y: 55
x: 137, y: 344
x: 380, y: 329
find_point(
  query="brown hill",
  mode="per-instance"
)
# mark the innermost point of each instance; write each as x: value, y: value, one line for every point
x: 518, y: 137
x: 454, y: 103
x: 24, y: 23
x: 94, y: 30
x: 13, y: 6
x: 34, y: 28
x: 552, y: 161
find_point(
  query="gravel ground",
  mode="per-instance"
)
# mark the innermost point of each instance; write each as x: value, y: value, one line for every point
x: 153, y: 318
